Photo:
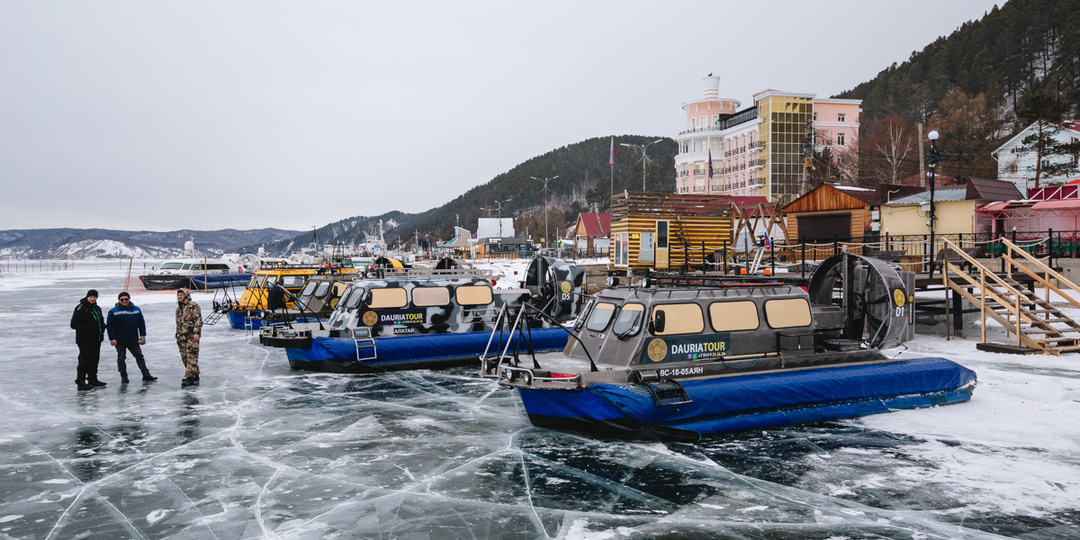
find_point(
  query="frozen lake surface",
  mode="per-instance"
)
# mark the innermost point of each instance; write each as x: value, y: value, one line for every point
x: 260, y: 451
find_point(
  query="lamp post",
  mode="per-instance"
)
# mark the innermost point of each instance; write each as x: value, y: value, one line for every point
x: 547, y: 239
x: 933, y: 136
x: 498, y: 208
x: 644, y: 157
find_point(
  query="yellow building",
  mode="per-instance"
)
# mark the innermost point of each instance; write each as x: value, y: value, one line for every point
x: 954, y: 208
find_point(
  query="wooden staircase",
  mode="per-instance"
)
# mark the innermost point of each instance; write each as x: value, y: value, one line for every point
x: 1036, y: 323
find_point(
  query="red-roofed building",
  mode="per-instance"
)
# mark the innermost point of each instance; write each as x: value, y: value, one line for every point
x: 592, y: 232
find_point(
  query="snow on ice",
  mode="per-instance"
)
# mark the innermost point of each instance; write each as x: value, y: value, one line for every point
x: 258, y: 450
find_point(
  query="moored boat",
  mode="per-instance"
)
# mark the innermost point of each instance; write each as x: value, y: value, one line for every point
x: 680, y: 363
x: 183, y: 271
x: 402, y: 318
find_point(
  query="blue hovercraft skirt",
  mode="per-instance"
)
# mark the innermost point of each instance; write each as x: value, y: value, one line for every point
x: 413, y: 351
x: 218, y: 281
x: 755, y: 401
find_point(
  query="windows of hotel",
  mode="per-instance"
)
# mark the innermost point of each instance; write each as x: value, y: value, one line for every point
x: 841, y: 117
x: 840, y: 138
x: 716, y: 121
x: 815, y: 116
x: 693, y: 124
x: 703, y: 122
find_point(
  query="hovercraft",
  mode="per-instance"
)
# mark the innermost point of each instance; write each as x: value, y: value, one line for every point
x: 412, y: 318
x: 680, y: 363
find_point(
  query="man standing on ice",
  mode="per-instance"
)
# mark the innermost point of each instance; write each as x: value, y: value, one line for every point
x: 188, y: 330
x: 127, y: 331
x: 89, y: 328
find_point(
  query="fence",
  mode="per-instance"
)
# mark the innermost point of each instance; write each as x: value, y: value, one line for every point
x: 32, y: 265
x: 913, y: 252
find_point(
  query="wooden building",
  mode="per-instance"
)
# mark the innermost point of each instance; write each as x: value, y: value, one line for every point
x: 664, y: 231
x: 592, y: 232
x: 833, y: 211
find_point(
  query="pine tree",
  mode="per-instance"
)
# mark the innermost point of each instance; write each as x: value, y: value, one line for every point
x: 1053, y: 157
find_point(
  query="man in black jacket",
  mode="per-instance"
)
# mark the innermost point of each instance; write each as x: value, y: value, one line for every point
x: 89, y: 328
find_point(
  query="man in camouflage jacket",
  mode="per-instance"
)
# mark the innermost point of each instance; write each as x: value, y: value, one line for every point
x: 188, y: 332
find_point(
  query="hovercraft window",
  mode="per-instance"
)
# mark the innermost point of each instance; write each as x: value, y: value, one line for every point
x: 324, y: 286
x: 473, y: 295
x: 171, y: 266
x: 628, y: 323
x: 388, y: 298
x: 680, y: 319
x: 353, y: 299
x: 732, y: 316
x: 293, y: 282
x: 430, y: 296
x: 788, y: 313
x: 308, y: 289
x: 600, y: 316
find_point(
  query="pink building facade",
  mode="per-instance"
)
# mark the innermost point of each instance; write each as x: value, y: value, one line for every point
x: 759, y: 150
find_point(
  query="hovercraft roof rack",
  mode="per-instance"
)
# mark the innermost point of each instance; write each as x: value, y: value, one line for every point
x: 427, y: 273
x: 705, y: 280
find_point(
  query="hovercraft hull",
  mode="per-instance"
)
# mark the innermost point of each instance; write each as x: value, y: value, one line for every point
x: 341, y: 355
x: 738, y: 403
x: 220, y: 281
x: 164, y: 283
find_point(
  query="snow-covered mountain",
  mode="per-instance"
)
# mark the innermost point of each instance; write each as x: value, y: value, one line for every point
x: 111, y: 244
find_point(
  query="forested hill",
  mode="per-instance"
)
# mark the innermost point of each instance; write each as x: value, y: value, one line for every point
x: 582, y: 184
x: 977, y: 87
x: 1015, y: 49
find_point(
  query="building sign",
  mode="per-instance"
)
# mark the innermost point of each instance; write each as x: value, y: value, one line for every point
x: 687, y: 348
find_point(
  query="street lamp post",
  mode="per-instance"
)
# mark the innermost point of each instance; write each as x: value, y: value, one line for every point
x: 933, y: 136
x: 498, y: 208
x: 547, y: 239
x: 644, y: 157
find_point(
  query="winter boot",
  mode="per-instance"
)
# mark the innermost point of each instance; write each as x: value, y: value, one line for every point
x: 95, y: 382
x: 81, y: 385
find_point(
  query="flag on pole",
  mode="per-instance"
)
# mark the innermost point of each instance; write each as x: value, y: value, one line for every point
x: 768, y: 242
x: 710, y: 164
x: 611, y: 160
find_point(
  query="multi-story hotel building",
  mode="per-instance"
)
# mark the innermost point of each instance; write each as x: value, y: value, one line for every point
x: 759, y: 150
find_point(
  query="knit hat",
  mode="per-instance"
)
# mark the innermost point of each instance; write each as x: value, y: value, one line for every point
x: 122, y: 295
x: 91, y: 292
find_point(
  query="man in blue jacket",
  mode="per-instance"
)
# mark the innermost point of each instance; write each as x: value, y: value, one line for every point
x: 89, y: 329
x: 127, y: 331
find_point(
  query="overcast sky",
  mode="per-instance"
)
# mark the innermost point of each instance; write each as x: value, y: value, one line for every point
x: 212, y: 115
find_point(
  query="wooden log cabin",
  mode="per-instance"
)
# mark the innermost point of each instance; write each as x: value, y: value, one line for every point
x: 665, y: 231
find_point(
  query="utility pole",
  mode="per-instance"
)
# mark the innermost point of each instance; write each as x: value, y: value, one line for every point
x: 547, y: 239
x: 808, y: 157
x: 922, y: 166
